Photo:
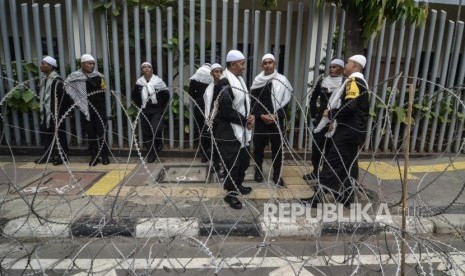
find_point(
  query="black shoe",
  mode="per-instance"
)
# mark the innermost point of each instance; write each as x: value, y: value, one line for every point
x: 310, y: 176
x: 105, y: 160
x: 151, y: 158
x: 258, y: 177
x: 279, y: 181
x: 312, y: 201
x: 58, y: 162
x: 244, y: 190
x: 233, y: 201
x: 94, y: 161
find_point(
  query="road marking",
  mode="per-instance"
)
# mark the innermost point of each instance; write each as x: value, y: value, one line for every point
x: 109, y: 181
x: 437, y: 167
x: 384, y: 171
x: 454, y: 259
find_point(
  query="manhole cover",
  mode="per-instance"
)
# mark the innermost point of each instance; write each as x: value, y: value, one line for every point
x: 183, y: 174
x: 61, y: 183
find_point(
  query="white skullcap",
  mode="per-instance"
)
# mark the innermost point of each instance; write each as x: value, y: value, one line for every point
x: 145, y: 63
x: 87, y: 57
x: 234, y: 55
x: 268, y: 56
x: 50, y: 61
x: 337, y: 61
x: 216, y: 66
x: 359, y: 59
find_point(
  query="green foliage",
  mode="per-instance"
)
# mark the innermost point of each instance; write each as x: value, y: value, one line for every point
x: 268, y: 4
x: 371, y: 13
x: 21, y: 97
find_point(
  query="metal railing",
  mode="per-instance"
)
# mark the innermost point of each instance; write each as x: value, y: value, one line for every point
x: 430, y: 57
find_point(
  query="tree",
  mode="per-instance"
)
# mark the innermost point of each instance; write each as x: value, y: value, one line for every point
x: 365, y: 17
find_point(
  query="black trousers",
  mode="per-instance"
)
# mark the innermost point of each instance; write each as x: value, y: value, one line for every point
x: 201, y: 132
x: 211, y: 149
x: 96, y: 130
x: 263, y: 135
x: 152, y: 129
x: 236, y: 161
x: 340, y: 171
x: 320, y: 144
x: 48, y: 136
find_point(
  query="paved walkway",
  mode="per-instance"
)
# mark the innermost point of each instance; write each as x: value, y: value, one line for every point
x: 182, y: 188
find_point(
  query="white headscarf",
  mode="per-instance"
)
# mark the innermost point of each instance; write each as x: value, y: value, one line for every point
x: 151, y: 88
x: 203, y: 74
x: 331, y: 83
x: 241, y: 103
x: 281, y: 88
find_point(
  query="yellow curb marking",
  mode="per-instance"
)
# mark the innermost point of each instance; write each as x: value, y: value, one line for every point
x: 437, y: 167
x: 107, y: 183
x: 384, y: 171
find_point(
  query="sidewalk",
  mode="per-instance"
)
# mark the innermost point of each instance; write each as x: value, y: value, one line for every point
x: 178, y: 197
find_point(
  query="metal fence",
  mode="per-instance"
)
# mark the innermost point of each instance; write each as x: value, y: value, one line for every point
x: 429, y: 57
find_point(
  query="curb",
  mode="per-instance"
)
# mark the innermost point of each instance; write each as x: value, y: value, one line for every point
x: 182, y: 153
x: 230, y: 228
x: 30, y: 227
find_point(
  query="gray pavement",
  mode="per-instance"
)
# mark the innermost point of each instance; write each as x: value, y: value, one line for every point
x: 120, y: 197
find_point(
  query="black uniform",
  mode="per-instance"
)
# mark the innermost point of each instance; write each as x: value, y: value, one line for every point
x: 196, y: 91
x: 261, y: 102
x: 59, y: 104
x: 236, y: 157
x: 318, y: 104
x: 96, y: 127
x: 152, y: 119
x: 340, y: 172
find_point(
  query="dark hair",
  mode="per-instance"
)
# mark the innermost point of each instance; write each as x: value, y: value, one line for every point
x: 229, y: 64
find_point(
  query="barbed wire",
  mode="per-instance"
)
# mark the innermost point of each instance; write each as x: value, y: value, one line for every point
x: 426, y: 249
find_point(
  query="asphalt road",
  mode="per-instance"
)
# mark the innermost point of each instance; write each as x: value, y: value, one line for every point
x: 336, y: 255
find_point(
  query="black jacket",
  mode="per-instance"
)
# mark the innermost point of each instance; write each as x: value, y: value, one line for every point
x: 321, y: 95
x: 196, y: 91
x: 227, y: 115
x: 64, y: 101
x: 97, y: 99
x: 261, y: 103
x: 163, y: 98
x: 352, y: 116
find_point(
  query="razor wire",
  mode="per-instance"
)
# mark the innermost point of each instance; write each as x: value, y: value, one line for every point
x: 426, y: 249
